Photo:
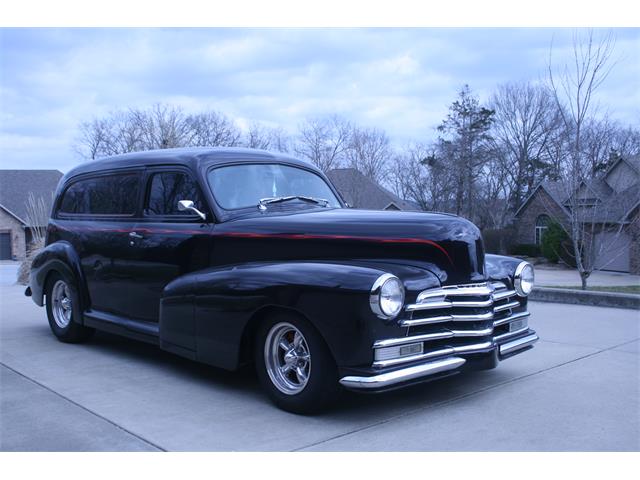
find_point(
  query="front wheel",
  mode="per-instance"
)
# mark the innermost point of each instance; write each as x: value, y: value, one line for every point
x: 295, y: 366
x: 63, y: 311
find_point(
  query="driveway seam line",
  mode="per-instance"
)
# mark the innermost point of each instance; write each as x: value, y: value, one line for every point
x: 111, y: 422
x: 461, y: 397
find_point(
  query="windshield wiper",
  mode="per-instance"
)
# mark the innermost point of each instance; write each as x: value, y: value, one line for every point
x: 265, y: 201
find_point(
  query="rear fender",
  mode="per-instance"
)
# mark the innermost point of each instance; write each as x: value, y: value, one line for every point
x: 62, y: 258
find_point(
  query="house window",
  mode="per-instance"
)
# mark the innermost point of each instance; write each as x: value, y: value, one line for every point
x: 542, y: 223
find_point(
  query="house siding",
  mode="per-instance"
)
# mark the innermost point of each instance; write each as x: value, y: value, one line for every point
x: 9, y: 224
x: 540, y: 203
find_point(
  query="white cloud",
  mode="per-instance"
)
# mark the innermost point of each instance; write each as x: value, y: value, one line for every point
x: 400, y: 80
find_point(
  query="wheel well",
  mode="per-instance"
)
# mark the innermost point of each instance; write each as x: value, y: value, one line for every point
x: 56, y: 271
x: 47, y: 278
x: 249, y: 333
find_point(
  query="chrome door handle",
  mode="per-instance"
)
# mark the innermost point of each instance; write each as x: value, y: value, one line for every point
x: 135, y: 235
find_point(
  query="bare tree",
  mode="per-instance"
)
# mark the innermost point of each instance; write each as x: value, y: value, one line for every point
x: 369, y: 151
x: 38, y: 210
x: 266, y: 138
x: 158, y: 127
x: 212, y: 129
x: 526, y: 117
x: 495, y: 211
x: 324, y: 141
x: 573, y: 88
x: 161, y: 127
x: 418, y: 174
x: 117, y: 133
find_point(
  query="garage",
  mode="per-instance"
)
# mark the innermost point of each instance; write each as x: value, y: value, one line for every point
x: 613, y: 250
x: 5, y: 246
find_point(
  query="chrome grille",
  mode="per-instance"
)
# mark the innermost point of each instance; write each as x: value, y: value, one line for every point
x: 457, y: 319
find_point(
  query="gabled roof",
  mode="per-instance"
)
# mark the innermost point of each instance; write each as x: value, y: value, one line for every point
x: 633, y: 162
x: 556, y: 190
x: 15, y: 186
x: 615, y: 208
x: 598, y: 188
x: 362, y: 192
x: 612, y: 206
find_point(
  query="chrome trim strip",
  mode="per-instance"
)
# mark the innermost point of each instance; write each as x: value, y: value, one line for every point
x: 504, y: 336
x: 392, y: 342
x: 472, y: 333
x: 435, y: 353
x: 508, y: 319
x: 473, y: 348
x: 404, y: 375
x: 427, y: 337
x: 479, y: 289
x: 518, y: 344
x: 447, y: 318
x: 506, y: 306
x: 448, y: 304
x: 502, y: 295
x: 498, y: 285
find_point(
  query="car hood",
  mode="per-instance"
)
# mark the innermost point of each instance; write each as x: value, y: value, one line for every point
x: 451, y: 244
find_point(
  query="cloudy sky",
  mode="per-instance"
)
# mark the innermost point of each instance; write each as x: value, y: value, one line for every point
x: 400, y: 80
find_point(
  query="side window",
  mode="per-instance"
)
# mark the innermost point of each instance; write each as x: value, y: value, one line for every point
x: 105, y: 195
x: 166, y: 189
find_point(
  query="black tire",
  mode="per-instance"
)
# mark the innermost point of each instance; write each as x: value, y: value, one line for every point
x: 322, y: 388
x: 73, y: 331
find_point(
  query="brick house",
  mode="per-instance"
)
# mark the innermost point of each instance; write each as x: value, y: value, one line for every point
x: 364, y: 193
x: 15, y: 187
x: 611, y: 203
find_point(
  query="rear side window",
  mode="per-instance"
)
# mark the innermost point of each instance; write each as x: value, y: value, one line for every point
x: 167, y: 189
x: 106, y: 195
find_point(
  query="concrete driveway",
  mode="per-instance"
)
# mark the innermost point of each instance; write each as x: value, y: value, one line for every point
x: 8, y: 272
x: 578, y: 389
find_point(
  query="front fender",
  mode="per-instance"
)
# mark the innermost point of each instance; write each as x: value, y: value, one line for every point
x: 501, y: 268
x: 62, y: 258
x: 333, y: 297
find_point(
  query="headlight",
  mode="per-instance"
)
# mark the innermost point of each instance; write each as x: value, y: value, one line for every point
x: 523, y: 280
x: 387, y: 296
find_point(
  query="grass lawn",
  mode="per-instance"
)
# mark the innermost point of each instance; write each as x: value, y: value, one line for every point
x: 622, y: 289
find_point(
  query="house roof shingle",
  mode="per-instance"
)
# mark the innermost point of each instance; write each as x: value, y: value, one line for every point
x: 15, y: 186
x: 612, y: 206
x: 362, y: 192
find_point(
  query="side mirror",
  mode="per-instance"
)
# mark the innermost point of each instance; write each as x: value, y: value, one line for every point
x: 187, y: 206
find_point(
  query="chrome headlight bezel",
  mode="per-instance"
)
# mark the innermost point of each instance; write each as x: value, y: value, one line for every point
x: 385, y: 284
x: 522, y: 282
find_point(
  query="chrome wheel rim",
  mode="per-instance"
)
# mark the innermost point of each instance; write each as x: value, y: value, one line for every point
x: 287, y: 358
x: 62, y: 304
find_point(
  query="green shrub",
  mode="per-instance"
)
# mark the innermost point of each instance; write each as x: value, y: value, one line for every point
x: 552, y: 242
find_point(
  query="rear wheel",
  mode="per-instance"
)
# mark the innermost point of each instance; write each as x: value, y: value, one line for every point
x: 295, y: 366
x: 63, y: 310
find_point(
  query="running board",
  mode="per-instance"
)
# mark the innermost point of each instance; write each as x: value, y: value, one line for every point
x: 136, y: 329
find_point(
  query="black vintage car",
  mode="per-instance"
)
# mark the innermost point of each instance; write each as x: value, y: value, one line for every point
x: 237, y: 256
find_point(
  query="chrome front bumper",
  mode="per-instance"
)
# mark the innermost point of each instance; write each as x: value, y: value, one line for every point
x: 425, y: 370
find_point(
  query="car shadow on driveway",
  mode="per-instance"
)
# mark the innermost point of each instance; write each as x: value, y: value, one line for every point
x: 245, y: 381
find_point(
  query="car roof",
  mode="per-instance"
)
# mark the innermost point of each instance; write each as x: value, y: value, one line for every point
x: 190, y: 157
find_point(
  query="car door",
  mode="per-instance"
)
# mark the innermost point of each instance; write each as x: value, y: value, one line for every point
x: 167, y: 242
x: 96, y: 215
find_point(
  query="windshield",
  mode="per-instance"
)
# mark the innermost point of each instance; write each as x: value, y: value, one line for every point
x: 240, y: 186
